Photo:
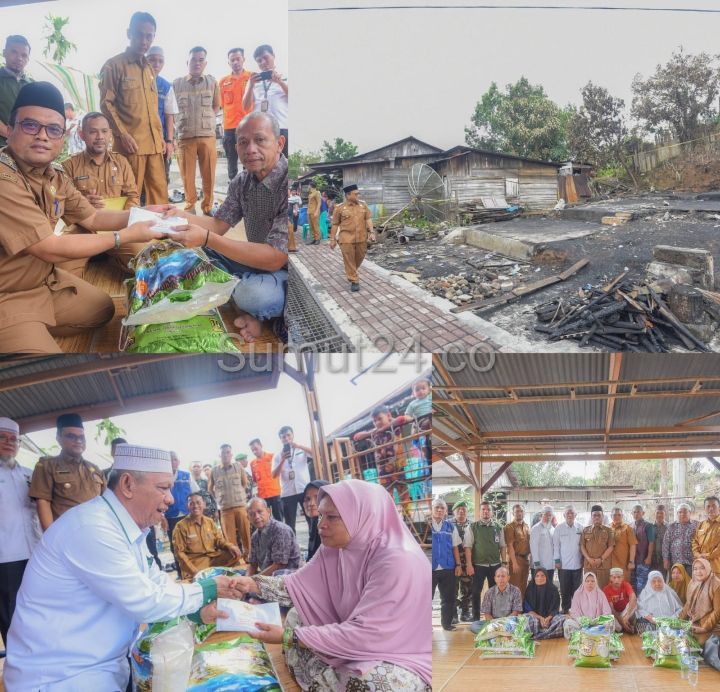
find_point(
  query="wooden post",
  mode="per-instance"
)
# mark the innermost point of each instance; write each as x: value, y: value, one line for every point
x: 478, y: 487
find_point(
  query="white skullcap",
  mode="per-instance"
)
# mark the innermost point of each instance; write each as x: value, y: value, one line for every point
x: 135, y: 458
x: 155, y: 50
x: 9, y: 425
x: 617, y: 571
x: 547, y: 508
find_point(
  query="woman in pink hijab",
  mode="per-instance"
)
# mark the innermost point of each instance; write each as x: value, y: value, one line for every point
x: 588, y: 601
x: 359, y: 617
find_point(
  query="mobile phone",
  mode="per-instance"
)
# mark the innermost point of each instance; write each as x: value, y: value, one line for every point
x: 286, y: 448
x: 266, y: 75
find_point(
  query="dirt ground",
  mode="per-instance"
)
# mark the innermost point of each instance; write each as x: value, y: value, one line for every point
x: 662, y: 219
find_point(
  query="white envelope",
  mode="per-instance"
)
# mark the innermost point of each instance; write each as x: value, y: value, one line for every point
x: 243, y: 616
x: 164, y: 225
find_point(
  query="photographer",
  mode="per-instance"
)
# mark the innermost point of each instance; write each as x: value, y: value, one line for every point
x: 267, y: 90
x: 291, y: 466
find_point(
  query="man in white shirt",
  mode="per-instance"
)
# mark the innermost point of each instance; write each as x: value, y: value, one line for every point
x: 291, y: 465
x: 541, y: 543
x: 568, y: 558
x: 267, y: 90
x: 19, y: 524
x: 82, y: 601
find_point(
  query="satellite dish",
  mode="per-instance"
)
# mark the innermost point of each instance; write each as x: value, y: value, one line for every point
x: 427, y: 191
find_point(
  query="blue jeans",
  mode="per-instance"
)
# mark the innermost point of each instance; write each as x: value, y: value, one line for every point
x: 259, y: 293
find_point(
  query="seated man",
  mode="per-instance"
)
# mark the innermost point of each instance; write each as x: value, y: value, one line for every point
x: 273, y: 545
x: 100, y: 174
x: 500, y: 600
x: 622, y: 599
x: 198, y: 543
x: 258, y: 196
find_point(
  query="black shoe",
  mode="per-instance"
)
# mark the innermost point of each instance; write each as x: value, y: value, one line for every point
x: 466, y: 617
x: 452, y: 628
x: 315, y: 242
x: 354, y: 286
x: 455, y: 621
x: 295, y: 250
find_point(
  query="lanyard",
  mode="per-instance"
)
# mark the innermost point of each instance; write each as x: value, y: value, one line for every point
x: 112, y: 509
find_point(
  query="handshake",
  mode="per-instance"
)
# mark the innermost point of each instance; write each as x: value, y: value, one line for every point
x: 228, y: 587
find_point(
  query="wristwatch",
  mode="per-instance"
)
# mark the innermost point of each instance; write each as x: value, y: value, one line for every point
x: 168, y: 141
x: 117, y: 239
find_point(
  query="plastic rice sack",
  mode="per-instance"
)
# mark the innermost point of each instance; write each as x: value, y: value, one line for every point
x: 507, y: 637
x: 240, y: 663
x: 199, y: 334
x: 161, y: 657
x: 598, y: 625
x: 174, y: 283
x: 212, y: 572
x: 670, y: 643
x: 513, y: 625
x: 595, y: 644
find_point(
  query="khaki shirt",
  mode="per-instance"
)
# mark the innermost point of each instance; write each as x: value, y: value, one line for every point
x: 112, y: 178
x: 129, y: 100
x: 32, y: 200
x: 597, y: 539
x: 624, y: 539
x: 198, y: 100
x: 65, y: 482
x: 707, y: 540
x: 518, y: 536
x: 229, y: 486
x: 314, y: 202
x: 352, y: 222
x: 191, y: 541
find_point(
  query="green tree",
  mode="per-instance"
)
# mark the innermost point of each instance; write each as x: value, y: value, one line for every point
x: 521, y: 120
x: 681, y: 96
x: 299, y: 162
x: 541, y: 473
x: 643, y: 474
x: 339, y: 150
x: 57, y: 46
x: 108, y: 431
x: 597, y: 131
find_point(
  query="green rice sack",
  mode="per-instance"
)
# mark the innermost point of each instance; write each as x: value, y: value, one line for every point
x: 593, y: 651
x: 212, y: 572
x: 199, y: 334
x: 174, y: 283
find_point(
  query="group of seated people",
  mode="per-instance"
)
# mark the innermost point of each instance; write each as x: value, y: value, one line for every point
x: 695, y: 598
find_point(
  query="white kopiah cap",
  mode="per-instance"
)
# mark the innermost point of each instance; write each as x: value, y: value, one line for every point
x: 9, y: 425
x: 135, y: 458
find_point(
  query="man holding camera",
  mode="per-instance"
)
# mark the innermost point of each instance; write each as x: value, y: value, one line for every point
x: 291, y: 466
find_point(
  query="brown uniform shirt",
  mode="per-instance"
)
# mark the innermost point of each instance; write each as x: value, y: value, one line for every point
x: 112, y: 178
x: 597, y: 539
x: 192, y: 541
x: 518, y: 536
x: 129, y: 100
x: 32, y: 200
x: 314, y: 203
x: 624, y: 538
x: 229, y: 486
x: 65, y: 482
x: 707, y: 540
x: 350, y: 220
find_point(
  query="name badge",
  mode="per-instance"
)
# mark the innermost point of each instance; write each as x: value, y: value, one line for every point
x: 82, y: 177
x: 291, y: 475
x: 264, y: 105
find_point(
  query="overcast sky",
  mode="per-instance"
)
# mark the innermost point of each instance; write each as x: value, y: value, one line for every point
x: 377, y: 76
x: 98, y: 27
x: 196, y: 431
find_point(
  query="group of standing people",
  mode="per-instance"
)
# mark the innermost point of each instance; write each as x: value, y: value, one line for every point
x: 635, y: 571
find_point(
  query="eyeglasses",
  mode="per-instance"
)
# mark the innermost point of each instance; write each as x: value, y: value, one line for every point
x: 73, y: 437
x: 33, y: 127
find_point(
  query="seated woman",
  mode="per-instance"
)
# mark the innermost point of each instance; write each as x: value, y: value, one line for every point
x: 355, y: 623
x: 702, y: 607
x: 657, y: 600
x: 310, y: 507
x: 588, y: 601
x: 679, y: 580
x: 542, y: 605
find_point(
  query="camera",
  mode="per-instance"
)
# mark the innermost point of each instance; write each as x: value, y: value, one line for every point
x: 266, y: 75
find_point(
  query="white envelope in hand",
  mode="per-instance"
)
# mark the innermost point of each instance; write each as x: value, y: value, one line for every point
x: 243, y: 616
x: 164, y: 225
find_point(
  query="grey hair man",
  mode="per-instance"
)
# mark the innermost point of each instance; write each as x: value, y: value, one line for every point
x: 567, y: 556
x: 274, y: 548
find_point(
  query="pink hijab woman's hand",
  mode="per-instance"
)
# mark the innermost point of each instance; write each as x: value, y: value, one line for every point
x: 268, y: 634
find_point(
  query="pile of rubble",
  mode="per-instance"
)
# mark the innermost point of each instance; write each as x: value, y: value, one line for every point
x: 467, y: 287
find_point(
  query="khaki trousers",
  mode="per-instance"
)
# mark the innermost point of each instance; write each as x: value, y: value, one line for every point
x: 236, y: 528
x: 77, y: 308
x: 200, y: 150
x: 291, y: 238
x: 315, y: 226
x: 217, y: 558
x: 149, y: 170
x: 353, y: 255
x: 119, y: 257
x: 520, y: 578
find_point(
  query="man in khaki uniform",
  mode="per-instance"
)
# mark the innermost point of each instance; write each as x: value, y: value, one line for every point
x: 61, y: 482
x: 352, y: 222
x: 198, y: 98
x: 706, y: 541
x: 227, y: 483
x: 596, y: 545
x: 198, y: 543
x: 129, y: 100
x: 517, y: 538
x: 100, y: 174
x: 623, y: 554
x: 313, y: 212
x: 38, y: 300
